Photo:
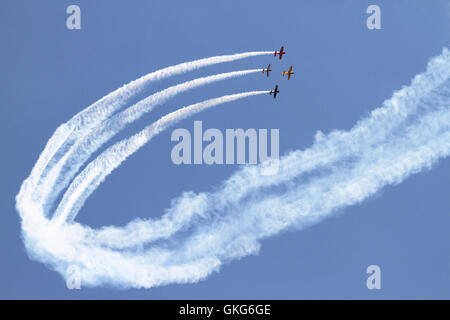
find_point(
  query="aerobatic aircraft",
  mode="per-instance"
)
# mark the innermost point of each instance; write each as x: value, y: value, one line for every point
x: 267, y: 70
x: 275, y: 91
x: 288, y: 73
x: 280, y: 53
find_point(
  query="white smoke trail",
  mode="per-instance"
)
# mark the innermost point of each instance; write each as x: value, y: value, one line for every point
x: 68, y: 132
x: 95, y: 173
x: 407, y: 135
x: 58, y: 177
x: 380, y: 125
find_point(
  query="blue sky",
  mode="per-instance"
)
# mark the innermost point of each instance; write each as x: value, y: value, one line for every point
x: 343, y: 70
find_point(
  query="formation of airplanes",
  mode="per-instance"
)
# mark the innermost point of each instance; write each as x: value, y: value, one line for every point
x: 288, y: 73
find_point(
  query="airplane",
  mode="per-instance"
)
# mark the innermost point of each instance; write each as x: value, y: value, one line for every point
x: 274, y: 92
x: 280, y: 53
x: 267, y: 70
x: 288, y: 73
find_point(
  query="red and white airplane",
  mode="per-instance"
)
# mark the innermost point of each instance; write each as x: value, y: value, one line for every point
x: 280, y: 53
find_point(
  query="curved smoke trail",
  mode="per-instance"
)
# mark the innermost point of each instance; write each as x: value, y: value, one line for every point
x: 95, y: 173
x: 408, y: 134
x: 88, y: 118
x: 57, y: 178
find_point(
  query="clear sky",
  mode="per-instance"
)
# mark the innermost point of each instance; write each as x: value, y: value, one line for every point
x: 342, y: 71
